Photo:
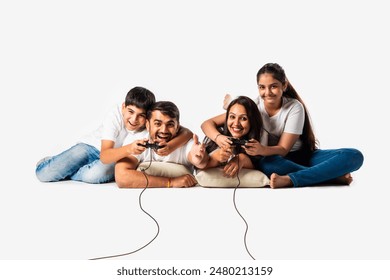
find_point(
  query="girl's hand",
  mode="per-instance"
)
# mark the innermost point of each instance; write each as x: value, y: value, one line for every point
x: 254, y: 148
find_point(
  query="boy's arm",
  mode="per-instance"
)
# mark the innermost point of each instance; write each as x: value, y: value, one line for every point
x: 181, y: 138
x: 126, y: 176
x: 109, y: 154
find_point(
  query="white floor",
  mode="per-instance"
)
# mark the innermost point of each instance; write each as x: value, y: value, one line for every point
x: 60, y: 77
x: 71, y: 220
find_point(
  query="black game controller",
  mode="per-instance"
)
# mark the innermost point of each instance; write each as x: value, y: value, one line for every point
x: 154, y: 146
x: 238, y: 142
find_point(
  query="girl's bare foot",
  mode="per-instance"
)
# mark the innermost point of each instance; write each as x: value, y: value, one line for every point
x: 277, y: 181
x: 344, y: 180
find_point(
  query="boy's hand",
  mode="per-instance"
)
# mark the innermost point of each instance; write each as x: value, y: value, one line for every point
x: 134, y: 148
x: 166, y: 150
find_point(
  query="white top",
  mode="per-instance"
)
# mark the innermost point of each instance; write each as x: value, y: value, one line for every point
x: 112, y: 128
x: 177, y: 156
x: 289, y: 119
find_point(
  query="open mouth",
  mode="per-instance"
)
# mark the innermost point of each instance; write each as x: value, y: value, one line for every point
x: 163, y: 137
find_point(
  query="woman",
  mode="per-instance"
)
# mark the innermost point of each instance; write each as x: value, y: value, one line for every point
x: 241, y: 123
x: 291, y: 157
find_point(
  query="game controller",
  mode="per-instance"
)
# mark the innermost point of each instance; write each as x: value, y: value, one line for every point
x: 238, y: 142
x: 154, y: 146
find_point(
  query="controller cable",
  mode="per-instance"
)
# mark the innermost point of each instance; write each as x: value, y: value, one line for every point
x: 235, y: 206
x: 140, y: 205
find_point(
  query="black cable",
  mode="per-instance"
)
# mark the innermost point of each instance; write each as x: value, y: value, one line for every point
x: 140, y: 205
x: 235, y: 206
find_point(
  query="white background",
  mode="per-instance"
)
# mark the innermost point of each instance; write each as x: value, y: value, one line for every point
x: 64, y: 64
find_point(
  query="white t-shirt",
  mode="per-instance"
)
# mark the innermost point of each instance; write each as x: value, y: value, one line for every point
x: 289, y: 119
x: 177, y: 156
x: 112, y: 128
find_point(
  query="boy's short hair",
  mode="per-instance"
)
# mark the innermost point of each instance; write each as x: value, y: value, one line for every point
x: 167, y: 108
x: 140, y: 97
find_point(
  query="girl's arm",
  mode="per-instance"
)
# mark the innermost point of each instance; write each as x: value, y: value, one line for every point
x: 209, y: 128
x: 181, y: 138
x: 286, y: 142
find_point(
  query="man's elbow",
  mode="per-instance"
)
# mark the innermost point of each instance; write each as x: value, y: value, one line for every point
x: 122, y: 177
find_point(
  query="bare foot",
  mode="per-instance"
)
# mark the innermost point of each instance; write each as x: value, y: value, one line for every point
x: 343, y: 180
x: 277, y: 181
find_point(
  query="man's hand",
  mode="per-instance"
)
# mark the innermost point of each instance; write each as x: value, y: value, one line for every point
x: 184, y: 181
x: 198, y: 155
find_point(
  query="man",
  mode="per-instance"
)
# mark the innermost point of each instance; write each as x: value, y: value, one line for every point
x: 163, y: 125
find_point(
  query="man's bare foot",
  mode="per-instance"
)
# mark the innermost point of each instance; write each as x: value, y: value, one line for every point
x: 343, y: 180
x: 277, y: 181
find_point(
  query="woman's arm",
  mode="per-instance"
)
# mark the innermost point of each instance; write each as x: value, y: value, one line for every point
x: 236, y: 164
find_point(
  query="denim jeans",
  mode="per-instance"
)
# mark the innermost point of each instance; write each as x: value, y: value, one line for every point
x: 323, y: 166
x: 79, y: 163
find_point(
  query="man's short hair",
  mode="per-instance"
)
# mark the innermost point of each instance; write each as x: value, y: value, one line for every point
x: 167, y: 108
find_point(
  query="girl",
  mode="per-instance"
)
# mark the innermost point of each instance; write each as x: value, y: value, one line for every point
x: 291, y: 157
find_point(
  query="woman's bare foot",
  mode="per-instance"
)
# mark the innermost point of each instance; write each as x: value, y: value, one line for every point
x: 344, y: 180
x: 277, y: 181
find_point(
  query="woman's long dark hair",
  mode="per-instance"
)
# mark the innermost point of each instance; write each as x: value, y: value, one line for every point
x: 254, y: 117
x: 307, y: 137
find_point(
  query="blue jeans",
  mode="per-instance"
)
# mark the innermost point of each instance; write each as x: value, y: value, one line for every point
x: 79, y: 163
x: 322, y: 166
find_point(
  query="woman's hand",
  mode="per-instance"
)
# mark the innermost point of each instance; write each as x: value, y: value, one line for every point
x: 223, y: 155
x: 223, y: 141
x: 232, y: 168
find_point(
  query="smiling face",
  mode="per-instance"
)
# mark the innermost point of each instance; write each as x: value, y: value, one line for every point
x: 237, y: 121
x: 270, y: 89
x: 162, y: 128
x: 134, y: 117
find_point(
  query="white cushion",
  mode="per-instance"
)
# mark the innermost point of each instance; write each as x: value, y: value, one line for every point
x: 164, y: 169
x: 249, y: 178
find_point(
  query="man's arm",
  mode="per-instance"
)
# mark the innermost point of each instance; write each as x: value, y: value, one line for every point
x: 126, y: 176
x: 198, y: 156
